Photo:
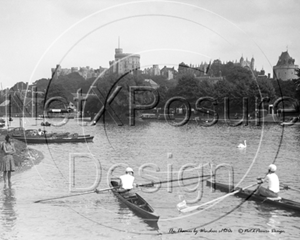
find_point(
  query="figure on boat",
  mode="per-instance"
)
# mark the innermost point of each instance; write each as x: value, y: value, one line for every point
x: 273, y: 183
x: 127, y: 181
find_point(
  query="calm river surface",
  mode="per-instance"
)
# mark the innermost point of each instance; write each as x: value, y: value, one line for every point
x: 101, y: 216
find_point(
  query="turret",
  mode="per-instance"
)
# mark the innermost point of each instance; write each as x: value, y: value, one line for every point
x: 241, y: 60
x: 252, y: 63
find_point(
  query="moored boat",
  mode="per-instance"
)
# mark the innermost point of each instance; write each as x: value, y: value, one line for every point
x: 278, y: 202
x: 46, y: 124
x: 52, y: 139
x: 146, y: 116
x: 136, y: 203
x: 44, y: 139
x: 166, y: 117
x: 32, y: 136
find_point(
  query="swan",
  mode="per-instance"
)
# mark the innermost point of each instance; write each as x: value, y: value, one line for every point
x: 182, y: 204
x: 242, y: 145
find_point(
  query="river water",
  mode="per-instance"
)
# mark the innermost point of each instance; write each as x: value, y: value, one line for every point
x: 165, y: 149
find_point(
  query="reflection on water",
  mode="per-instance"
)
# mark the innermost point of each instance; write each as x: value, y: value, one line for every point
x: 270, y: 215
x: 270, y: 212
x: 125, y: 215
x: 8, y: 214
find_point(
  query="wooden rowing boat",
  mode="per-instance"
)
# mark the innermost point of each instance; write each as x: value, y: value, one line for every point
x: 135, y: 202
x: 44, y: 139
x: 280, y: 202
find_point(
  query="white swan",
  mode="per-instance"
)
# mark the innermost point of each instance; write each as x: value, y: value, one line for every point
x: 182, y: 204
x: 242, y: 145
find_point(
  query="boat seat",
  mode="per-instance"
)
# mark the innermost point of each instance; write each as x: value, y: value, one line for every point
x: 142, y: 205
x: 132, y: 197
x: 274, y: 199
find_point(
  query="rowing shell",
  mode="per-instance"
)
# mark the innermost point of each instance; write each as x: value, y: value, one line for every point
x: 46, y: 140
x: 278, y: 202
x: 136, y: 203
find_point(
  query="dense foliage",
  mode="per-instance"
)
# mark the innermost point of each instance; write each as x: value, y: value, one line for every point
x: 237, y: 83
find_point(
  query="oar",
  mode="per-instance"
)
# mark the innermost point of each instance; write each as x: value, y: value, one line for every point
x: 286, y: 187
x: 193, y: 208
x: 73, y: 195
x: 173, y: 180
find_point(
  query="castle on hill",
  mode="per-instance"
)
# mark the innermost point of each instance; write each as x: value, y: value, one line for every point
x: 285, y: 67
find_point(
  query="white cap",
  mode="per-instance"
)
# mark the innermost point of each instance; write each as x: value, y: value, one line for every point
x: 129, y: 169
x: 272, y: 167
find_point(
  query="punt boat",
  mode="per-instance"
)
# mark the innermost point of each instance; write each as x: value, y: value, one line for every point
x: 135, y: 203
x: 146, y: 116
x: 53, y: 139
x: 278, y: 202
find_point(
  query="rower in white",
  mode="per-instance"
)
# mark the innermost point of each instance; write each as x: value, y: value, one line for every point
x: 273, y: 183
x: 127, y: 180
x: 242, y: 145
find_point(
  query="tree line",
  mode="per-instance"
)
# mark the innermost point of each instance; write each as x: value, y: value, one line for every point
x: 237, y: 83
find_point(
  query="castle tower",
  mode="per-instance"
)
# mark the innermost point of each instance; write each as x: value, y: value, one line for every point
x: 242, y: 61
x: 124, y: 62
x: 252, y: 63
x: 285, y: 67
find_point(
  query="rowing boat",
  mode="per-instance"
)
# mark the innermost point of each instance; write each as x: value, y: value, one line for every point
x: 278, y: 202
x: 135, y: 202
x: 44, y: 139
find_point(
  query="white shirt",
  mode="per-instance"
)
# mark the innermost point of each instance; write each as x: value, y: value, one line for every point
x: 273, y: 181
x: 127, y: 181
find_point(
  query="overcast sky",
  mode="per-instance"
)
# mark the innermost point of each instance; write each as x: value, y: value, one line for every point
x: 38, y: 34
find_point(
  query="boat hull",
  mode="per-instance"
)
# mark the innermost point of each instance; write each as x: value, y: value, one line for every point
x: 282, y: 203
x: 136, y: 203
x: 46, y: 140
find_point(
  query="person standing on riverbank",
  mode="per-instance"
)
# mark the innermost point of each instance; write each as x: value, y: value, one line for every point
x: 7, y: 163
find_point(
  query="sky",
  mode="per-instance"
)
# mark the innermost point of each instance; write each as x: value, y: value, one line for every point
x: 36, y: 35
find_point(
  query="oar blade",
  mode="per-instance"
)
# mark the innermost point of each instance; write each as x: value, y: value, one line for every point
x: 189, y: 209
x: 214, y: 201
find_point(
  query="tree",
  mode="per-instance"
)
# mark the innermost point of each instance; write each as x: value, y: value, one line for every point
x: 72, y: 81
x: 237, y: 74
x: 57, y: 90
x: 41, y: 84
x: 284, y: 88
x: 187, y: 87
x: 92, y: 105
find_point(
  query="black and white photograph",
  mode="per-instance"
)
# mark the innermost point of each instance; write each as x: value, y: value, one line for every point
x: 149, y: 119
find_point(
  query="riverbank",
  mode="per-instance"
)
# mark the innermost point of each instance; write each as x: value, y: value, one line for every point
x: 25, y: 157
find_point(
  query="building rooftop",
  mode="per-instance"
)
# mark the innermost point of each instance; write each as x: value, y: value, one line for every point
x: 285, y: 59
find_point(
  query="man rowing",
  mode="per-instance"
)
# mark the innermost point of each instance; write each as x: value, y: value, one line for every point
x: 127, y: 181
x: 273, y: 183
